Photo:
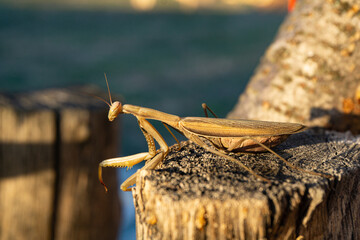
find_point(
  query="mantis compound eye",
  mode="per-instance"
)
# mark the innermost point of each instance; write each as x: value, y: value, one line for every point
x: 114, y: 111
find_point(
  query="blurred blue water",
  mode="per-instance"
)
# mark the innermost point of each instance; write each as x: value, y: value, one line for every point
x: 170, y: 62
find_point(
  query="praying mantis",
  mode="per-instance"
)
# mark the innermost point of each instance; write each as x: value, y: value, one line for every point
x: 225, y: 135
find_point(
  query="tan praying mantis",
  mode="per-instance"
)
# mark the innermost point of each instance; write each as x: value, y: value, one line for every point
x: 225, y: 135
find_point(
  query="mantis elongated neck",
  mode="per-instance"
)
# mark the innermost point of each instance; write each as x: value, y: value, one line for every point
x: 149, y: 113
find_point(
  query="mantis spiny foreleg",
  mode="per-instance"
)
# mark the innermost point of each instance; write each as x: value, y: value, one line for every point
x: 150, y: 134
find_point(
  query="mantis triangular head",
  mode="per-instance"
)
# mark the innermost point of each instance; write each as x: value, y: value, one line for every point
x: 115, y: 107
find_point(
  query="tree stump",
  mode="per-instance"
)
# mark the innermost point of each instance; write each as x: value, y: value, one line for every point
x: 198, y: 195
x: 310, y: 73
x: 51, y: 142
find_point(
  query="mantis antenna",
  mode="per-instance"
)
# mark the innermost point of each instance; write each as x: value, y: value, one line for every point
x: 107, y: 84
x: 100, y: 98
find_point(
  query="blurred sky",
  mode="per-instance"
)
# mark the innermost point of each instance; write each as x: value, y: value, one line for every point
x: 162, y: 54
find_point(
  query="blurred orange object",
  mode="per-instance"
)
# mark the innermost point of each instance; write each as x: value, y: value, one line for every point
x: 291, y: 5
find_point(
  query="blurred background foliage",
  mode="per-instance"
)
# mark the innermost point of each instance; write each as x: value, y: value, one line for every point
x: 170, y: 55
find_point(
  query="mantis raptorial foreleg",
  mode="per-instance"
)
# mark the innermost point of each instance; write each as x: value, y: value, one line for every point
x: 150, y: 134
x: 128, y: 161
x: 149, y: 165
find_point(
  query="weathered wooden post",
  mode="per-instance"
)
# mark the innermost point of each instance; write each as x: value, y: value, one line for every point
x: 310, y: 74
x: 51, y: 142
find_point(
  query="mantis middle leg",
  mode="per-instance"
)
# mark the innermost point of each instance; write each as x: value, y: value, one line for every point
x: 206, y: 108
x: 150, y: 134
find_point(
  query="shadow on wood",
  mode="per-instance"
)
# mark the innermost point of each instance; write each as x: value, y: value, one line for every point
x: 51, y: 142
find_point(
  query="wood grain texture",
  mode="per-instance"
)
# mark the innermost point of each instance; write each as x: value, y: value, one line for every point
x: 27, y: 174
x: 197, y: 195
x: 51, y: 142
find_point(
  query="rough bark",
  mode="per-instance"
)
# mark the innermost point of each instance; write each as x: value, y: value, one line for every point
x: 51, y: 142
x: 198, y: 195
x: 311, y: 72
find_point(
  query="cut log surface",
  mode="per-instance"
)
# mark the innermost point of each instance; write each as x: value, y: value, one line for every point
x: 197, y: 195
x: 51, y: 143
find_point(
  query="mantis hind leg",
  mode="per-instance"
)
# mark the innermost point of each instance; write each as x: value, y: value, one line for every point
x: 198, y: 141
x: 290, y: 164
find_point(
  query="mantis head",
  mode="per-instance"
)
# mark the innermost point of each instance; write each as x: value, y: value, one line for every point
x: 115, y: 110
x: 115, y: 107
